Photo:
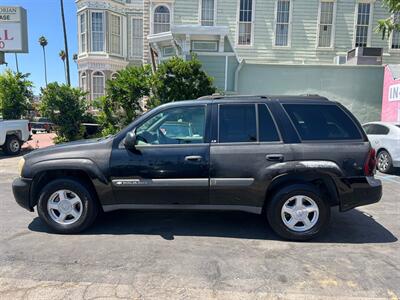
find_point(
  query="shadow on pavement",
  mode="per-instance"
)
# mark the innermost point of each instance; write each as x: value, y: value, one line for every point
x: 353, y: 227
x: 22, y: 153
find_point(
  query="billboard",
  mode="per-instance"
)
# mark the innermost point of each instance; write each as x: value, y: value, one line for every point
x: 391, y: 94
x: 13, y: 29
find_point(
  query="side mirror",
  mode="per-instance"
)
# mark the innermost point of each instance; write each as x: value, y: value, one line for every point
x: 130, y: 140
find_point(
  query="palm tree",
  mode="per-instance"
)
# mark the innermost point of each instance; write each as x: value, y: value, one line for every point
x: 43, y: 43
x: 62, y: 55
x: 65, y: 42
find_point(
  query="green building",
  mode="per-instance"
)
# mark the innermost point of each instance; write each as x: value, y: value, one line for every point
x: 247, y: 46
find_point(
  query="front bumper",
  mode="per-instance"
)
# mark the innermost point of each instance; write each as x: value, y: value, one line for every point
x: 359, y: 191
x: 21, y: 189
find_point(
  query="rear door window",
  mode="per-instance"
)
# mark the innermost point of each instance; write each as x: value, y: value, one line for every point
x: 237, y: 123
x: 322, y: 122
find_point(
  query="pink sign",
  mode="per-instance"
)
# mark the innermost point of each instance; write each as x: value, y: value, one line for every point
x: 391, y: 95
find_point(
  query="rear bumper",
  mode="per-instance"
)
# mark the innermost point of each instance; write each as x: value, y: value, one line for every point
x: 359, y: 191
x: 21, y: 189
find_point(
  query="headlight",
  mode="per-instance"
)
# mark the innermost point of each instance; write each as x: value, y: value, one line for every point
x: 21, y: 164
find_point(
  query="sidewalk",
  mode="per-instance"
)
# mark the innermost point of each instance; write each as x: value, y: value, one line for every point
x: 39, y: 140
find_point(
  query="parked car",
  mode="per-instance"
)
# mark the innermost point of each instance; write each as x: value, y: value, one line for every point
x: 385, y: 138
x: 13, y: 133
x: 288, y: 158
x: 42, y: 125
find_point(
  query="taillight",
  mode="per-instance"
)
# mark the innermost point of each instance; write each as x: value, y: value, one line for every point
x: 370, y: 163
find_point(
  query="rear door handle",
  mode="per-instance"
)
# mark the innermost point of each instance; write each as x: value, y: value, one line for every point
x: 275, y: 157
x: 193, y: 158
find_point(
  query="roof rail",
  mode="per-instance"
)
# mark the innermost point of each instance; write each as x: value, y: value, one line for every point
x: 218, y: 96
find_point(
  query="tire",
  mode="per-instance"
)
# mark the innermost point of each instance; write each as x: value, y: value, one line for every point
x: 50, y: 197
x: 384, y: 162
x: 293, y: 228
x: 34, y: 131
x: 12, y: 146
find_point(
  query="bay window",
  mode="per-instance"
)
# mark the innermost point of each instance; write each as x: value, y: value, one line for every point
x: 82, y: 33
x: 98, y: 84
x: 97, y: 32
x: 115, y: 34
x: 137, y: 38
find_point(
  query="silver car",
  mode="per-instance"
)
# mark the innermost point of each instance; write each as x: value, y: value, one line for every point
x: 385, y: 138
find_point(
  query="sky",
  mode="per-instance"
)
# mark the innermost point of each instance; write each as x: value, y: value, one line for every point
x: 44, y: 18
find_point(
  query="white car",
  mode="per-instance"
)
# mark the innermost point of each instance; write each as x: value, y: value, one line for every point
x: 385, y: 138
x: 13, y: 133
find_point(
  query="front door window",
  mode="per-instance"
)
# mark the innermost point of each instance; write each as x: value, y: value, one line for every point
x: 183, y: 125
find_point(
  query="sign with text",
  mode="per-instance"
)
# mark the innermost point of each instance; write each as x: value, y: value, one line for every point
x: 394, y: 92
x: 13, y: 29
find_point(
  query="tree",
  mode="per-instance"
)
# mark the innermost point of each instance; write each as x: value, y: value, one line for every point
x: 65, y: 42
x: 177, y: 79
x: 62, y: 56
x: 43, y: 43
x: 15, y: 94
x: 65, y: 106
x: 388, y: 25
x: 123, y: 95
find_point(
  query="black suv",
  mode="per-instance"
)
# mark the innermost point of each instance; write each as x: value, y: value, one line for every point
x: 288, y: 158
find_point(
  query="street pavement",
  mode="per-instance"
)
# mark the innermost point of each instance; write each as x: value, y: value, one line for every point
x: 199, y: 255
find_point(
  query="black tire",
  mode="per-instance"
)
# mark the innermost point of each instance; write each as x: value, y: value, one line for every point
x: 274, y: 209
x: 34, y: 131
x: 12, y: 146
x: 90, y: 207
x: 383, y: 168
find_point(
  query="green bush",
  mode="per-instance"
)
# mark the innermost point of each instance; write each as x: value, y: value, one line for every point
x: 177, y: 79
x: 15, y: 94
x: 124, y: 93
x: 66, y: 107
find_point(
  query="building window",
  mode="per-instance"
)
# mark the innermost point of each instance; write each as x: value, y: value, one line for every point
x: 115, y: 33
x: 362, y: 26
x: 205, y: 46
x: 168, y: 51
x: 161, y: 19
x: 207, y: 12
x: 97, y: 32
x: 282, y: 23
x: 137, y: 38
x: 83, y: 82
x: 98, y: 85
x: 326, y: 23
x: 114, y: 76
x: 82, y: 33
x: 396, y: 33
x: 245, y: 22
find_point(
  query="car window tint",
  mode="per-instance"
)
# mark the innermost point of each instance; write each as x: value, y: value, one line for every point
x: 183, y: 125
x: 267, y: 128
x: 367, y: 128
x: 322, y: 122
x: 379, y: 129
x: 237, y: 123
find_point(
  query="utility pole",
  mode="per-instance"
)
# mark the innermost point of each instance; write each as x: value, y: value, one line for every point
x: 16, y: 62
x: 65, y: 42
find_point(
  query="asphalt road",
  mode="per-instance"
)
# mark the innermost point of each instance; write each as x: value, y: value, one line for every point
x: 192, y: 255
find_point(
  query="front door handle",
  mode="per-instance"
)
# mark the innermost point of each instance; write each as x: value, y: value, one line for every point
x: 193, y: 158
x: 275, y: 157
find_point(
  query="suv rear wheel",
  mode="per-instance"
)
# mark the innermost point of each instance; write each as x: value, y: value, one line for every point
x: 298, y: 213
x: 67, y: 206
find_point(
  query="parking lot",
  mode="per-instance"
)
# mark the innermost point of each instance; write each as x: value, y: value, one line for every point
x: 190, y: 255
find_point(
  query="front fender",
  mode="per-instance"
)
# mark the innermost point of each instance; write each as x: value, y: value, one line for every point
x: 82, y: 164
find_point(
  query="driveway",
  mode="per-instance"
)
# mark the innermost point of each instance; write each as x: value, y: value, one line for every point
x: 193, y: 255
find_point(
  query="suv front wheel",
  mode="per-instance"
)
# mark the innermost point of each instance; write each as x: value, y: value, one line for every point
x: 67, y: 206
x: 298, y: 213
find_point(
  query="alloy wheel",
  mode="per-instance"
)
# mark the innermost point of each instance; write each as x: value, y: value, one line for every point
x: 65, y: 207
x: 300, y: 213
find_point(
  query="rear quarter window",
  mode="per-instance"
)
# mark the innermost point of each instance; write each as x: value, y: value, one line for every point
x: 322, y: 122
